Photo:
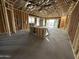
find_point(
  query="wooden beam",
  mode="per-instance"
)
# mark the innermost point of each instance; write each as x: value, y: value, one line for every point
x: 44, y: 17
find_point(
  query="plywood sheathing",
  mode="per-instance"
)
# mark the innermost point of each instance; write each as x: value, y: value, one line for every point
x: 74, y: 21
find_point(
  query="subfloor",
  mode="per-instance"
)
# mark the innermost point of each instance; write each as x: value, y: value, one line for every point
x: 24, y: 45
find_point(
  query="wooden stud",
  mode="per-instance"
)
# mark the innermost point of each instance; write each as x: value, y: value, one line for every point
x: 3, y: 19
x: 22, y: 20
x: 76, y: 46
x: 6, y: 17
x: 25, y: 21
x: 77, y: 55
x: 35, y: 20
x: 77, y: 33
x: 13, y: 20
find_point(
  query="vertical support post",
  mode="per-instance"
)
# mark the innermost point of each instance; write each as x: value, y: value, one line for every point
x: 41, y: 21
x: 13, y: 20
x: 77, y: 56
x: 35, y: 20
x: 59, y: 23
x: 27, y: 21
x: 22, y: 19
x: 45, y: 21
x: 6, y: 17
x: 76, y: 40
x: 3, y: 20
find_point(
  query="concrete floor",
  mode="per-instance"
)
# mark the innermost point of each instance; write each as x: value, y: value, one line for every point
x: 23, y: 45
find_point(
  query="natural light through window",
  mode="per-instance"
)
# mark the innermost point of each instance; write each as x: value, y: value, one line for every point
x: 52, y: 23
x: 31, y: 19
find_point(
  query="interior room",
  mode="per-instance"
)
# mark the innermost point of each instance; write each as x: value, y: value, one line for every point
x: 39, y: 29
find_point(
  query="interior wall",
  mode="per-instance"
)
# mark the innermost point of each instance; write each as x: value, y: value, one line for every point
x: 74, y: 22
x: 10, y: 20
x: 76, y: 43
x: 2, y: 29
x: 21, y: 20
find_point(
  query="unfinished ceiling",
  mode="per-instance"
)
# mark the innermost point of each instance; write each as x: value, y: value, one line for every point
x: 44, y: 8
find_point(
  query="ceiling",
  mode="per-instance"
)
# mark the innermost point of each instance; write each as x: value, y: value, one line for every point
x: 44, y: 8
